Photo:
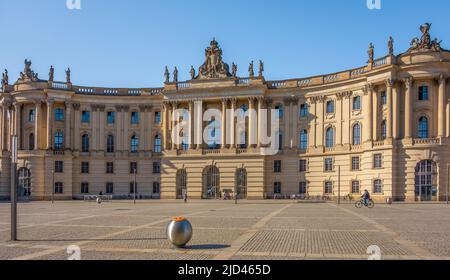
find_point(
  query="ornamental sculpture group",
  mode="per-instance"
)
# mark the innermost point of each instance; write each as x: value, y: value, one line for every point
x: 214, y: 67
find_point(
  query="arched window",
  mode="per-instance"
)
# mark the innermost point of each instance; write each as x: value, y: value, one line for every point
x: 31, y: 142
x: 157, y: 144
x: 85, y: 143
x: 383, y: 130
x: 110, y: 144
x: 303, y: 140
x: 59, y: 140
x: 134, y: 144
x: 329, y: 143
x: 423, y: 128
x: 211, y: 182
x: 357, y: 103
x: 357, y: 134
x: 181, y: 183
x: 241, y: 183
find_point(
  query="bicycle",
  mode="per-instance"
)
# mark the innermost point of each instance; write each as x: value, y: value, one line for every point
x: 361, y: 203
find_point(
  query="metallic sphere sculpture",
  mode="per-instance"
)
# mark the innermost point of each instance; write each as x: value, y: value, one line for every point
x: 179, y: 232
x: 99, y: 200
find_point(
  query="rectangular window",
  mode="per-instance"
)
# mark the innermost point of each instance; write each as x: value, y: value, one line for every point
x: 110, y: 168
x: 158, y: 117
x: 109, y: 188
x: 330, y: 107
x: 357, y: 103
x: 59, y: 114
x: 304, y: 112
x: 134, y: 117
x: 59, y: 167
x: 377, y: 161
x: 156, y: 167
x: 133, y: 187
x: 377, y: 186
x: 328, y: 187
x: 85, y: 188
x: 59, y: 188
x: 133, y: 167
x: 423, y: 93
x: 302, y: 188
x: 85, y: 167
x: 85, y: 117
x: 277, y: 166
x: 156, y: 187
x: 111, y: 117
x: 328, y: 163
x: 303, y: 164
x: 355, y: 187
x: 356, y: 164
x: 383, y: 98
x: 277, y: 188
x: 32, y: 116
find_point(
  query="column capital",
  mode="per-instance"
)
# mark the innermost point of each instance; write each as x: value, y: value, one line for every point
x: 68, y: 104
x: 368, y: 88
x: 101, y: 107
x: 126, y: 108
x: 76, y: 106
x: 442, y: 77
x: 233, y: 101
x: 344, y: 94
x: 251, y: 100
x: 408, y: 82
x: 50, y: 101
x: 225, y: 100
x: 389, y: 83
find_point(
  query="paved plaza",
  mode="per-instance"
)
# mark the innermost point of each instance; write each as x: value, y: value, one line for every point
x: 224, y: 231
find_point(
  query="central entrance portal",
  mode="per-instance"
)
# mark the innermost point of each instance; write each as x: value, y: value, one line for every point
x: 211, y: 183
x: 426, y: 181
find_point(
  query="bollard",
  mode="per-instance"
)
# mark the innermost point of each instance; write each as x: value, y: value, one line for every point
x: 179, y: 232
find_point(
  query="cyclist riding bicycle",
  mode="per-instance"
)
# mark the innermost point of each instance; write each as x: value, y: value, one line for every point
x: 366, y: 197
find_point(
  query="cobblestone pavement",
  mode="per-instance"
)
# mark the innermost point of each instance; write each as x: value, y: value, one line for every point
x: 222, y: 230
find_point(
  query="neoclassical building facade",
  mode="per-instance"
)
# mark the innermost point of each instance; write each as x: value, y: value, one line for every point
x: 383, y: 127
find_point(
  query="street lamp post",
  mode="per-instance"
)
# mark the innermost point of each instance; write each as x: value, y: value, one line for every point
x: 134, y: 186
x: 14, y: 188
x: 339, y: 185
x: 53, y: 186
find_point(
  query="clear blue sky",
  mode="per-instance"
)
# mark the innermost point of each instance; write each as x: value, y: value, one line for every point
x: 120, y: 43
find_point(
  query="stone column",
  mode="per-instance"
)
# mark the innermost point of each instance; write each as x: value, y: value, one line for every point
x: 232, y: 124
x: 408, y: 107
x: 5, y: 125
x: 199, y: 125
x: 389, y: 85
x: 191, y: 125
x: 101, y: 128
x: 18, y: 124
x: 165, y: 123
x: 294, y: 123
x: 251, y: 122
x: 339, y: 119
x: 260, y: 101
x: 320, y: 121
x: 49, y: 124
x: 2, y: 123
x: 224, y: 123
x: 77, y: 122
x: 118, y: 124
x: 94, y: 109
x: 37, y: 124
x: 396, y: 111
x: 375, y: 118
x: 172, y: 125
x: 441, y: 106
x: 142, y: 123
x: 313, y: 130
x: 125, y: 126
x: 286, y: 117
x: 367, y: 113
x: 68, y: 126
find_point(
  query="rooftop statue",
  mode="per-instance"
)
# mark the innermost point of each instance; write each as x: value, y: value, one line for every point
x: 166, y: 75
x: 192, y: 72
x: 51, y: 74
x: 28, y: 74
x: 261, y: 69
x: 425, y: 42
x: 251, y: 73
x: 5, y: 78
x: 213, y: 67
x: 68, y: 75
x: 175, y: 75
x: 391, y: 45
x: 370, y: 52
x: 234, y: 70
